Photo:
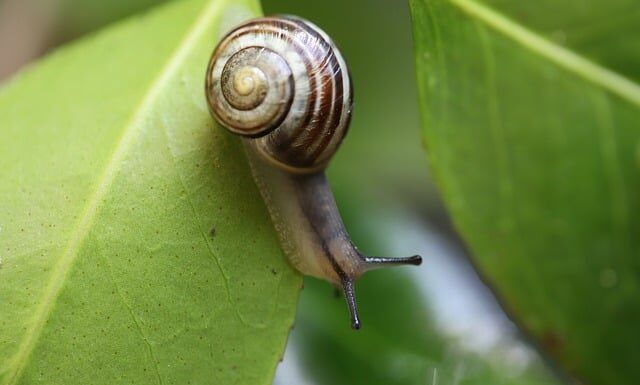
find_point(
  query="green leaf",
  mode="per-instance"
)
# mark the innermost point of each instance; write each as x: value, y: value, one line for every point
x: 134, y: 245
x: 531, y: 114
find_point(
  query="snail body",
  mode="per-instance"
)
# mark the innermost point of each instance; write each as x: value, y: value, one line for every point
x: 282, y: 85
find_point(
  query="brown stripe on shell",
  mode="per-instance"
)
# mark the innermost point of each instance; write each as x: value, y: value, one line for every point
x: 257, y: 24
x: 335, y: 94
x: 334, y: 119
x: 283, y: 141
x: 304, y: 139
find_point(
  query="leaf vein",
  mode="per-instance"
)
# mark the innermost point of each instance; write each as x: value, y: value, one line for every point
x: 603, y: 77
x: 203, y: 232
x: 81, y: 229
x: 613, y: 167
x: 135, y: 320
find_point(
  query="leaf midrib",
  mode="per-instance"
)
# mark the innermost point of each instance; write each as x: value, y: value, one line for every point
x: 131, y: 131
x: 603, y: 77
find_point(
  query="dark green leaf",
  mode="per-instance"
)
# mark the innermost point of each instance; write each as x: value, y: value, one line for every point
x: 531, y: 114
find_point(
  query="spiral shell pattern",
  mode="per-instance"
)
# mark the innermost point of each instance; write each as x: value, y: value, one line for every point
x: 282, y: 82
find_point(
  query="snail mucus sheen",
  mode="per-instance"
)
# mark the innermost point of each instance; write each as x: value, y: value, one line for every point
x: 283, y: 86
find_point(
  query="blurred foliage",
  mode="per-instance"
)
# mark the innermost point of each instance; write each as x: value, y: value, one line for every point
x: 77, y: 17
x: 531, y: 114
x: 399, y: 343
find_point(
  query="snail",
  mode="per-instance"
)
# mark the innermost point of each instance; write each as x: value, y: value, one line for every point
x: 282, y: 85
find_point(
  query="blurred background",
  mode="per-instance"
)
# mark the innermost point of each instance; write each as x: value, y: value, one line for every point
x: 438, y: 324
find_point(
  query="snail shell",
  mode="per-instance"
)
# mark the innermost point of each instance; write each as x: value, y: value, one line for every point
x: 282, y: 81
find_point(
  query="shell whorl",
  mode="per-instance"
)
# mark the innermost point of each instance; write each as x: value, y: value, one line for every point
x: 282, y: 82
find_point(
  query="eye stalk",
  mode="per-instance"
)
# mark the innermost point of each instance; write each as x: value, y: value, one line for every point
x: 371, y: 263
x: 283, y: 86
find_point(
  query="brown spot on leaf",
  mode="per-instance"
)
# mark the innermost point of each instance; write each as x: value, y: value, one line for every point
x: 553, y: 341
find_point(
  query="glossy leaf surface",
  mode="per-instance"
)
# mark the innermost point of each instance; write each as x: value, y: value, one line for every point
x: 530, y: 113
x: 135, y: 247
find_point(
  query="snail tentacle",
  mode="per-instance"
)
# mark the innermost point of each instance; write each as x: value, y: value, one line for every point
x: 374, y: 262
